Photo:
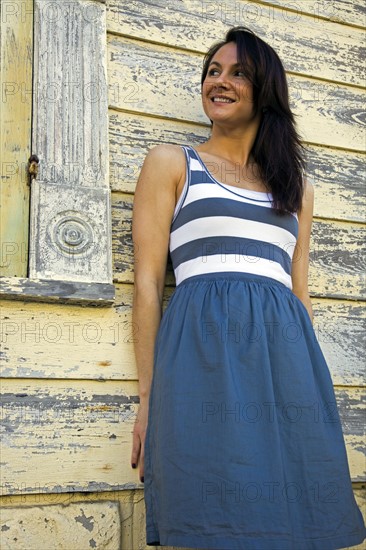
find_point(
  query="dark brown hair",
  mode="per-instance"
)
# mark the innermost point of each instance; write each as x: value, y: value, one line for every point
x: 277, y: 149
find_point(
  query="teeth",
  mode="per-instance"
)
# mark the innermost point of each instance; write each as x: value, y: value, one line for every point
x: 222, y: 100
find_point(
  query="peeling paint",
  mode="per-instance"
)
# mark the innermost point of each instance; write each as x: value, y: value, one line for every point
x: 88, y: 523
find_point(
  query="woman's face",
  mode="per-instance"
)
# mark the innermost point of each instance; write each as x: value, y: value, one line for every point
x: 227, y: 94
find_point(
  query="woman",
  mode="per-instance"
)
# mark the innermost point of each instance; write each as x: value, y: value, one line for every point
x: 237, y: 437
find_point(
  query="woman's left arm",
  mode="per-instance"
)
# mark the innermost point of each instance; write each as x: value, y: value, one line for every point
x: 300, y: 265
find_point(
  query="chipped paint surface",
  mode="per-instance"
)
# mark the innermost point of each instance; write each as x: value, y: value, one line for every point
x: 15, y: 130
x: 50, y: 341
x: 57, y: 291
x: 67, y: 437
x: 345, y: 11
x: 306, y: 41
x: 73, y: 527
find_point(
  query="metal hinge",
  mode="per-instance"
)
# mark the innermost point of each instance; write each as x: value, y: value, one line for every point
x: 33, y: 163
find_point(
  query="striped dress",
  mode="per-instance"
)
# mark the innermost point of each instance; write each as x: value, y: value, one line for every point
x: 244, y: 447
x: 219, y: 228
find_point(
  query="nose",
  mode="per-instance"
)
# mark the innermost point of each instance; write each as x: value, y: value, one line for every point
x: 222, y: 78
x: 221, y: 81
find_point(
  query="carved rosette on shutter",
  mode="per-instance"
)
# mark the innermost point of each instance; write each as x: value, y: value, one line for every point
x: 70, y: 233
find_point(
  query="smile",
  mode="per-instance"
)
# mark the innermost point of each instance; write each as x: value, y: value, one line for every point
x: 222, y: 100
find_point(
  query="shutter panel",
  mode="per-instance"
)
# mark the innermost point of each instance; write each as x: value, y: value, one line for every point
x: 15, y: 129
x: 70, y: 231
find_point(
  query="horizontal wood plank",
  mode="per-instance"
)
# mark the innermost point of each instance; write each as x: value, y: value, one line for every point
x: 306, y: 42
x: 337, y: 260
x: 338, y: 176
x: 337, y: 263
x: 56, y: 291
x: 69, y: 342
x: 151, y: 79
x: 59, y: 437
x: 340, y: 329
x: 351, y: 12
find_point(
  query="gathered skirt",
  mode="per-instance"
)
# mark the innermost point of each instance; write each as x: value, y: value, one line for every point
x: 244, y: 446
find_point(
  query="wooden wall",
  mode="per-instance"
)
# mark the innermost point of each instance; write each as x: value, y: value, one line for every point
x: 70, y: 387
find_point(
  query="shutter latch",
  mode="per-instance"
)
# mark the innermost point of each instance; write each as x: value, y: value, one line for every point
x: 33, y: 163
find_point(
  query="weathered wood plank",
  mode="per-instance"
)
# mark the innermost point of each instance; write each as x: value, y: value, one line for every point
x: 76, y: 526
x: 337, y: 260
x: 351, y: 12
x: 150, y: 79
x: 338, y: 176
x: 69, y: 342
x: 58, y: 438
x: 61, y: 292
x: 306, y: 42
x: 337, y: 263
x: 42, y: 341
x: 131, y: 510
x: 16, y: 34
x: 341, y: 332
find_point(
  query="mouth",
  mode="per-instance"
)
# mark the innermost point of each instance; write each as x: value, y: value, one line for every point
x: 222, y: 99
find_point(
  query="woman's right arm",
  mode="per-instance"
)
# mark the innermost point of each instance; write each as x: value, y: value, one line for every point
x: 153, y: 209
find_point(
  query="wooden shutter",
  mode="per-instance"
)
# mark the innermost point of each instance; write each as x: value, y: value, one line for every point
x: 16, y: 26
x: 70, y: 232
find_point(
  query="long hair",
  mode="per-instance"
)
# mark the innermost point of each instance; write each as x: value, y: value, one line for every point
x: 277, y: 148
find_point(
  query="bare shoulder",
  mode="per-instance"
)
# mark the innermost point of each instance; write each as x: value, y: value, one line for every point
x: 170, y: 156
x: 164, y: 164
x: 166, y: 150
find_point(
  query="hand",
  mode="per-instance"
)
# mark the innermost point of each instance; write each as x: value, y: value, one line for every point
x: 139, y: 434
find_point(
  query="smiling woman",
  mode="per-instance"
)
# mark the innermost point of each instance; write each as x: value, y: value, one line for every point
x: 238, y: 436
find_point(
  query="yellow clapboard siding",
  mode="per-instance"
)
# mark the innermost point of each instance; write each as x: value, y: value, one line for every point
x: 132, y: 507
x: 336, y: 175
x: 70, y: 342
x: 15, y: 129
x: 305, y: 42
x: 340, y: 327
x: 342, y: 11
x: 336, y: 263
x: 151, y: 79
x: 337, y: 260
x: 61, y: 437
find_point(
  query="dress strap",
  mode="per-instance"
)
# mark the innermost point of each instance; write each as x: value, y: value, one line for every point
x: 187, y: 182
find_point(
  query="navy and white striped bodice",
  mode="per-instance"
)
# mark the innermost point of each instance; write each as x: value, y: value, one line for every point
x: 219, y: 228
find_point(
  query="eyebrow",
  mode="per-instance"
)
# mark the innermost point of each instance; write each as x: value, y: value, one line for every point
x: 219, y: 64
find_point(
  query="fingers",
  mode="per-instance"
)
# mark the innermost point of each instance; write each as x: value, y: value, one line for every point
x: 138, y: 442
x: 142, y: 462
x: 136, y: 447
x: 137, y: 455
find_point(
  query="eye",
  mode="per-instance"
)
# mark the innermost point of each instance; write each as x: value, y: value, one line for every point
x: 241, y: 74
x: 212, y: 72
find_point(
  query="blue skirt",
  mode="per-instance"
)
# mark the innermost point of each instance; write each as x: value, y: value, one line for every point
x: 244, y: 447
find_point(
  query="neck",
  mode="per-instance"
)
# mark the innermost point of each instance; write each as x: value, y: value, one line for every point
x: 235, y: 146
